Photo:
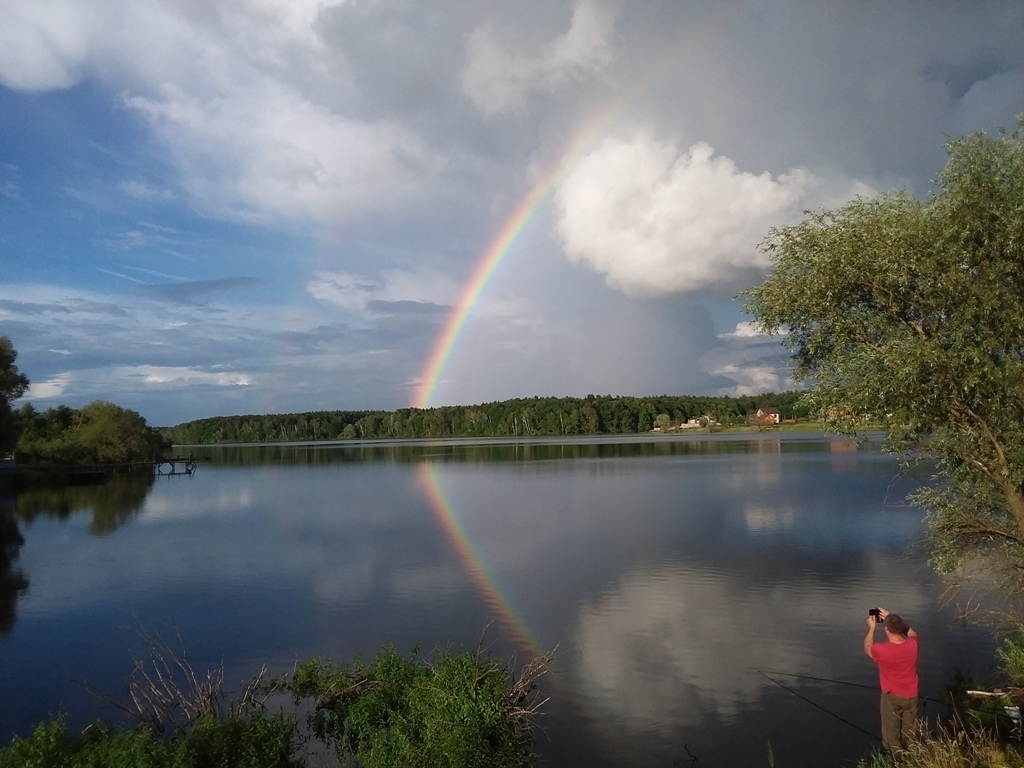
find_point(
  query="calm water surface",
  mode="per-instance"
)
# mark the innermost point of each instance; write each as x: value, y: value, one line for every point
x: 679, y: 580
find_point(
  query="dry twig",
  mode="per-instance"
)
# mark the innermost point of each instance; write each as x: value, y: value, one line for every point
x: 165, y: 692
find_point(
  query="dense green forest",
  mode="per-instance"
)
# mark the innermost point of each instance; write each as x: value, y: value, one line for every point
x: 593, y: 414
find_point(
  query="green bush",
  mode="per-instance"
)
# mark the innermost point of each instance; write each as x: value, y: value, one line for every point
x: 98, y: 433
x: 1011, y: 656
x: 250, y: 741
x: 455, y: 711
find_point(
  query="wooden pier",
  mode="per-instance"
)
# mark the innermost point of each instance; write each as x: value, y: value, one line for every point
x: 177, y: 465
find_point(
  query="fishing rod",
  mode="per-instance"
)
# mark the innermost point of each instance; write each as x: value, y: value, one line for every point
x: 925, y: 699
x: 841, y: 682
x: 823, y: 709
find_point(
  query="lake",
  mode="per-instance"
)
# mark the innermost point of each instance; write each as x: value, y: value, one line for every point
x: 704, y: 595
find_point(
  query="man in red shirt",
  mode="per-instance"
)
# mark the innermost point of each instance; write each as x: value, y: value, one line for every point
x: 897, y: 673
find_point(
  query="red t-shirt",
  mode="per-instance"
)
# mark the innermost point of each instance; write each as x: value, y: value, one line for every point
x: 897, y: 667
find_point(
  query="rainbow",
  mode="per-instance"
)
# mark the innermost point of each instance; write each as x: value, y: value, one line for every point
x: 502, y: 244
x: 485, y: 268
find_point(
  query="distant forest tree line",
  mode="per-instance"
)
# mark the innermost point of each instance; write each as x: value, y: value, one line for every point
x: 521, y: 417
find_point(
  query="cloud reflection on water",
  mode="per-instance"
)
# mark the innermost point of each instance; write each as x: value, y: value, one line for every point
x: 678, y: 646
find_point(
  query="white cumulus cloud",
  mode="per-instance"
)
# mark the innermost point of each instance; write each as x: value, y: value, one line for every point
x: 44, y: 45
x: 745, y: 329
x: 754, y: 379
x: 55, y: 386
x: 657, y: 221
x: 157, y: 375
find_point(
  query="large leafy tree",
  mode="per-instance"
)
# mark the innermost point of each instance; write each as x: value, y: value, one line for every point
x: 113, y: 434
x: 98, y: 433
x: 910, y: 313
x: 12, y: 386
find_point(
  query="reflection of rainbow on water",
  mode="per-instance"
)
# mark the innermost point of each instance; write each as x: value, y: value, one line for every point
x: 469, y: 557
x: 497, y: 602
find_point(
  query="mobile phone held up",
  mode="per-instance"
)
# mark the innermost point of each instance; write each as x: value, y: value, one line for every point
x: 877, y: 614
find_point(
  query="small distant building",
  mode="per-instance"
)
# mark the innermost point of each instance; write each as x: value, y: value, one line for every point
x: 768, y: 416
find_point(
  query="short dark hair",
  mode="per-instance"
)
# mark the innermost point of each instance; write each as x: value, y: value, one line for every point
x: 896, y: 625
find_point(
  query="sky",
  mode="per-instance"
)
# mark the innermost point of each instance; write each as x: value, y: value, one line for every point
x: 217, y: 207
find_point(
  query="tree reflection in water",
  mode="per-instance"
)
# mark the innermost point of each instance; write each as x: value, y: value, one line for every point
x: 111, y: 504
x: 12, y: 581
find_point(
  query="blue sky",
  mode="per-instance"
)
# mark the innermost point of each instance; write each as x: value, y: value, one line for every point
x: 212, y: 208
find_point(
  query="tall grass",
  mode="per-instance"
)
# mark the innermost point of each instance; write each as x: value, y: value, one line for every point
x: 952, y: 749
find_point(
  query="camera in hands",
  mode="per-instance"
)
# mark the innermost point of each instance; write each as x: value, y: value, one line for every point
x: 877, y: 614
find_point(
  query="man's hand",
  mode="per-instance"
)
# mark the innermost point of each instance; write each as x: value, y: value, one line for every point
x: 869, y: 638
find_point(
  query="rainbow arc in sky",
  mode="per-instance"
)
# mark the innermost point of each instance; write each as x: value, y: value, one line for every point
x: 502, y: 243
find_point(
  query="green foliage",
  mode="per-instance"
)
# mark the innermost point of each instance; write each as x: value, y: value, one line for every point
x: 49, y: 745
x: 247, y: 741
x: 255, y: 740
x: 910, y: 314
x: 455, y: 711
x: 13, y: 385
x: 526, y: 417
x: 99, y: 433
x: 1011, y: 657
